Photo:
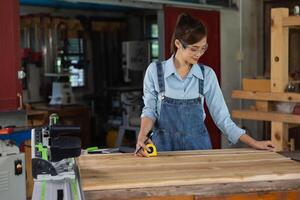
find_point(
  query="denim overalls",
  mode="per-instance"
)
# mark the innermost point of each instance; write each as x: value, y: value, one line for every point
x: 180, y: 125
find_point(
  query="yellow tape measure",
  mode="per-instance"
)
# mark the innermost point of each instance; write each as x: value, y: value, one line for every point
x: 152, y: 150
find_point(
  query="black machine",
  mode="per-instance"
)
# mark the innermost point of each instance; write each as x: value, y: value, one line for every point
x: 51, y: 147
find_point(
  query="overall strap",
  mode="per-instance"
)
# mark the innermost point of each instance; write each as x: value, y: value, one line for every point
x: 201, y: 82
x: 160, y: 76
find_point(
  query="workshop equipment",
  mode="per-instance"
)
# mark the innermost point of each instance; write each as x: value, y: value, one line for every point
x: 6, y: 130
x: 135, y: 59
x: 12, y: 172
x: 52, y: 45
x: 17, y: 135
x: 218, y: 174
x: 152, y: 150
x: 131, y: 105
x: 62, y: 93
x: 53, y: 164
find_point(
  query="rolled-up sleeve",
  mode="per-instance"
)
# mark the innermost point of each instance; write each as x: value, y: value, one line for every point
x: 218, y: 109
x: 150, y: 94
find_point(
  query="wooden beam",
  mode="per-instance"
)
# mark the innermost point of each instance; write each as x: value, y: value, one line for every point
x: 279, y: 50
x: 280, y: 76
x: 293, y: 125
x: 266, y: 116
x: 264, y: 106
x: 291, y: 195
x: 291, y: 21
x: 201, y: 191
x: 280, y: 135
x: 266, y: 96
x: 258, y: 85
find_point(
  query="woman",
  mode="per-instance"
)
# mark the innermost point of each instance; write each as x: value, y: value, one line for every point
x: 174, y: 92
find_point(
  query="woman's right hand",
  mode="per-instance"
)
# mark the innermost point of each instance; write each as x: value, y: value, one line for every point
x: 140, y: 145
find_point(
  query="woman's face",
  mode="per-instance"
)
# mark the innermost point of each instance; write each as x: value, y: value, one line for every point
x: 192, y: 52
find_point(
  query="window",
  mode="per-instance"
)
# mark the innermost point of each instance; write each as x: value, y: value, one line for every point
x: 154, y: 42
x: 76, y: 77
x: 151, y: 33
x: 73, y: 62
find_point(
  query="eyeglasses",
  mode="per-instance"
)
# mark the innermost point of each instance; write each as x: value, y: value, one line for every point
x: 195, y: 50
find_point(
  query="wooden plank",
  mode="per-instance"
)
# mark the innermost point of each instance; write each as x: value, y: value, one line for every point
x: 264, y: 106
x: 280, y: 135
x: 279, y: 70
x: 197, y: 191
x: 213, y: 152
x: 190, y: 197
x: 126, y: 171
x: 180, y: 161
x: 259, y: 85
x: 28, y: 168
x: 279, y: 50
x: 222, y: 173
x: 291, y: 21
x: 219, y: 173
x: 183, y: 175
x: 266, y: 96
x: 266, y: 116
x: 290, y: 195
x: 293, y: 125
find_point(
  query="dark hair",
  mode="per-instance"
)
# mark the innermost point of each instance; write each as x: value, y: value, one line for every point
x: 188, y: 30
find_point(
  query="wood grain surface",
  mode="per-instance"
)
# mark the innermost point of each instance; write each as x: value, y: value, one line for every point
x: 125, y: 171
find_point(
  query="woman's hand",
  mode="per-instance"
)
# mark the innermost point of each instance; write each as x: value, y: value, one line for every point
x: 140, y: 145
x: 263, y: 145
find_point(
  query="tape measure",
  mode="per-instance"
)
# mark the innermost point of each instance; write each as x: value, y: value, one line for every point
x: 152, y: 150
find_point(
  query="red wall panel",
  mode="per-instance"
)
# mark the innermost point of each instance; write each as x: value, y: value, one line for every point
x: 211, y: 57
x: 10, y: 86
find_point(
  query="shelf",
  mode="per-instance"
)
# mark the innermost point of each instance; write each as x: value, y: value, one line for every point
x: 291, y: 21
x: 266, y: 116
x: 267, y: 96
x: 280, y: 122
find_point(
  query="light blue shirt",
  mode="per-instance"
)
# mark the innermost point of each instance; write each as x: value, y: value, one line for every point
x: 188, y: 88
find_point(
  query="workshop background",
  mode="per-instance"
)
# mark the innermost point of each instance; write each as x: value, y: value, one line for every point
x: 84, y: 61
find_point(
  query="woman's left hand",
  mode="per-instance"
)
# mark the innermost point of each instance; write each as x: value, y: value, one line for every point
x: 261, y: 145
x: 264, y: 145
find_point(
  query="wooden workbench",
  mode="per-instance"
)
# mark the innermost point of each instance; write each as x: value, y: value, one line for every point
x: 227, y: 173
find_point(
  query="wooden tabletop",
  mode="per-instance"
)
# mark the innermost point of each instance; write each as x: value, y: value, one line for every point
x: 117, y: 172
